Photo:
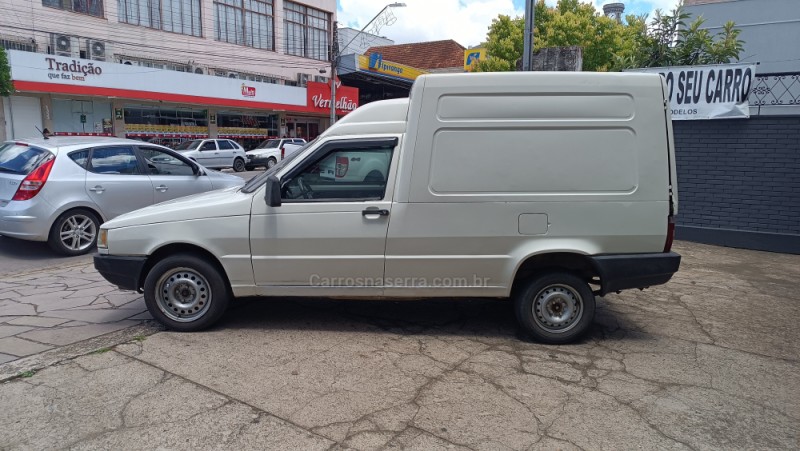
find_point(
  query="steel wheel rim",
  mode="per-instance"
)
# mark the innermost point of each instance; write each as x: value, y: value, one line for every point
x: 270, y: 163
x: 557, y: 308
x: 77, y: 233
x: 238, y: 165
x: 183, y: 295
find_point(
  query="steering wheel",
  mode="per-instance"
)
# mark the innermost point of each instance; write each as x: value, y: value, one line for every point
x: 305, y: 191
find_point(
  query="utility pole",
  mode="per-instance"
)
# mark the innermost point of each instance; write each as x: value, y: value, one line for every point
x: 335, y: 51
x: 334, y: 58
x: 527, y: 42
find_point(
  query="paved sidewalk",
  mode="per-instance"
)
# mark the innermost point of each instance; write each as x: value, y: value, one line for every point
x: 58, y: 306
x: 709, y: 361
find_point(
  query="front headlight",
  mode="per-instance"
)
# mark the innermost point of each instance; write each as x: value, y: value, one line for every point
x: 102, y: 239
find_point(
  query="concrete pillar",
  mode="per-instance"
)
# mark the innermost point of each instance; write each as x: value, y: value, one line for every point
x: 213, y: 128
x: 118, y: 113
x: 47, y: 112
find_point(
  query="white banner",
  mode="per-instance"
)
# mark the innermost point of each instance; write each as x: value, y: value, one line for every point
x: 708, y: 92
x: 41, y: 69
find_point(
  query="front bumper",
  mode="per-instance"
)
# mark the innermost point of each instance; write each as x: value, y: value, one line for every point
x: 124, y: 272
x: 622, y: 272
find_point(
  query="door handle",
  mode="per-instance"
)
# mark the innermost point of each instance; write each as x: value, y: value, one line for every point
x: 97, y: 189
x: 162, y: 188
x: 374, y: 211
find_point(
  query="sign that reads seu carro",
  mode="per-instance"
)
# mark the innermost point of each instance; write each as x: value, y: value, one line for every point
x: 708, y: 92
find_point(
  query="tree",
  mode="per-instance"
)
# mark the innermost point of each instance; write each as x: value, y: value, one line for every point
x: 669, y: 41
x: 6, y: 85
x: 608, y: 44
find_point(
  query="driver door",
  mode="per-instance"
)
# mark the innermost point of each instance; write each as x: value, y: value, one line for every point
x: 329, y: 234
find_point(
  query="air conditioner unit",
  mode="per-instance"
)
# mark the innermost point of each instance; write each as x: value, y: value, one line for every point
x: 61, y: 44
x: 96, y: 50
x: 302, y: 79
x: 199, y: 70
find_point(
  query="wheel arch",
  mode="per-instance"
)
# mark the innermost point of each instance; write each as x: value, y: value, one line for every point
x: 182, y: 248
x: 580, y: 264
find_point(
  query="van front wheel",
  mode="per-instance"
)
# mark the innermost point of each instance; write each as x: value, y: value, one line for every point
x: 554, y: 308
x: 185, y: 293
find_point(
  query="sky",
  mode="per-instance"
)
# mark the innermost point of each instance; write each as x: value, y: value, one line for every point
x: 465, y: 21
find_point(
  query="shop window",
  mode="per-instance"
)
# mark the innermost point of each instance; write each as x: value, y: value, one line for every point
x: 90, y: 7
x: 307, y: 31
x: 245, y: 22
x: 177, y: 16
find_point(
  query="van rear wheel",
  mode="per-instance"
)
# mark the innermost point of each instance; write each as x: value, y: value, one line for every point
x: 554, y: 308
x: 185, y: 293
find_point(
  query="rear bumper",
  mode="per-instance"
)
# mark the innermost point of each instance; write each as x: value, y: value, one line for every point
x: 622, y: 272
x: 124, y: 272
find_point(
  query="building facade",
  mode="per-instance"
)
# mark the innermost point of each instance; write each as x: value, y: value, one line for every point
x: 739, y: 179
x: 168, y: 69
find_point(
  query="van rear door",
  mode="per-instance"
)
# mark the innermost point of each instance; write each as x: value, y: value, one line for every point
x: 673, y: 173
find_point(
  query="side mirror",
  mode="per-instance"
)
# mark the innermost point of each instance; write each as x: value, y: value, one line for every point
x: 196, y: 170
x: 273, y: 191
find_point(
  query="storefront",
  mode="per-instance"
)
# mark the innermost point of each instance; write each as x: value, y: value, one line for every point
x: 376, y: 78
x: 80, y: 97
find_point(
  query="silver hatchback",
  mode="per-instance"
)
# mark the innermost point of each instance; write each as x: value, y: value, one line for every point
x: 61, y: 189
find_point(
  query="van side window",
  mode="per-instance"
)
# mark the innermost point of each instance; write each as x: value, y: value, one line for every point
x: 356, y: 174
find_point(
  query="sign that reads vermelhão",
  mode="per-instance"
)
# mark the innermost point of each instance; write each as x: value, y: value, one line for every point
x: 708, y: 92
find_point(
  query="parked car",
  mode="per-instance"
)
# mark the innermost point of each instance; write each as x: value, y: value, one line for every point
x: 577, y: 199
x: 271, y: 151
x: 61, y: 189
x: 215, y: 153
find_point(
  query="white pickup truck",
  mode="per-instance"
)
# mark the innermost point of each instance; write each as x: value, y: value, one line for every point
x: 271, y: 151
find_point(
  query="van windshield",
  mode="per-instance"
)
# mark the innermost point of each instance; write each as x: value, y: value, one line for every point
x: 255, y: 182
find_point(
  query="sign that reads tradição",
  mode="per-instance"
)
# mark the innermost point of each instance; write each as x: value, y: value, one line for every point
x: 708, y: 92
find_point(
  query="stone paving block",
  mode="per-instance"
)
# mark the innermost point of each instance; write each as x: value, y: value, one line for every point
x: 38, y: 321
x: 93, y: 315
x: 19, y: 347
x: 7, y: 358
x: 93, y: 292
x: 12, y: 308
x: 61, y: 336
x: 120, y: 298
x: 63, y: 303
x: 7, y: 331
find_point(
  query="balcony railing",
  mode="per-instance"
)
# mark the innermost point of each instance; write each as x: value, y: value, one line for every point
x: 776, y: 90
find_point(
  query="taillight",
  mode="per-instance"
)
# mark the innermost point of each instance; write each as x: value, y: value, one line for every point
x: 283, y: 152
x: 34, y: 182
x: 670, y: 233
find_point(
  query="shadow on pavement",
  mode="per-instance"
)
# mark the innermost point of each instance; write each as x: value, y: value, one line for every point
x: 21, y: 255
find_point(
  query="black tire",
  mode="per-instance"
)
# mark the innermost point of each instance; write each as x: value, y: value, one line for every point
x: 238, y: 164
x: 72, y: 221
x: 271, y: 162
x: 555, y: 307
x: 186, y: 277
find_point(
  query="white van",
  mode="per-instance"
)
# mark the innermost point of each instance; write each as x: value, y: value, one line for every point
x: 546, y: 188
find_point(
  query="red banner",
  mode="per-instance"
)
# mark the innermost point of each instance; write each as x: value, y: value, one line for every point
x: 319, y: 97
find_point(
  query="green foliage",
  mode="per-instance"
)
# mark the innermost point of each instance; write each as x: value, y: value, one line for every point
x: 6, y: 86
x: 607, y: 44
